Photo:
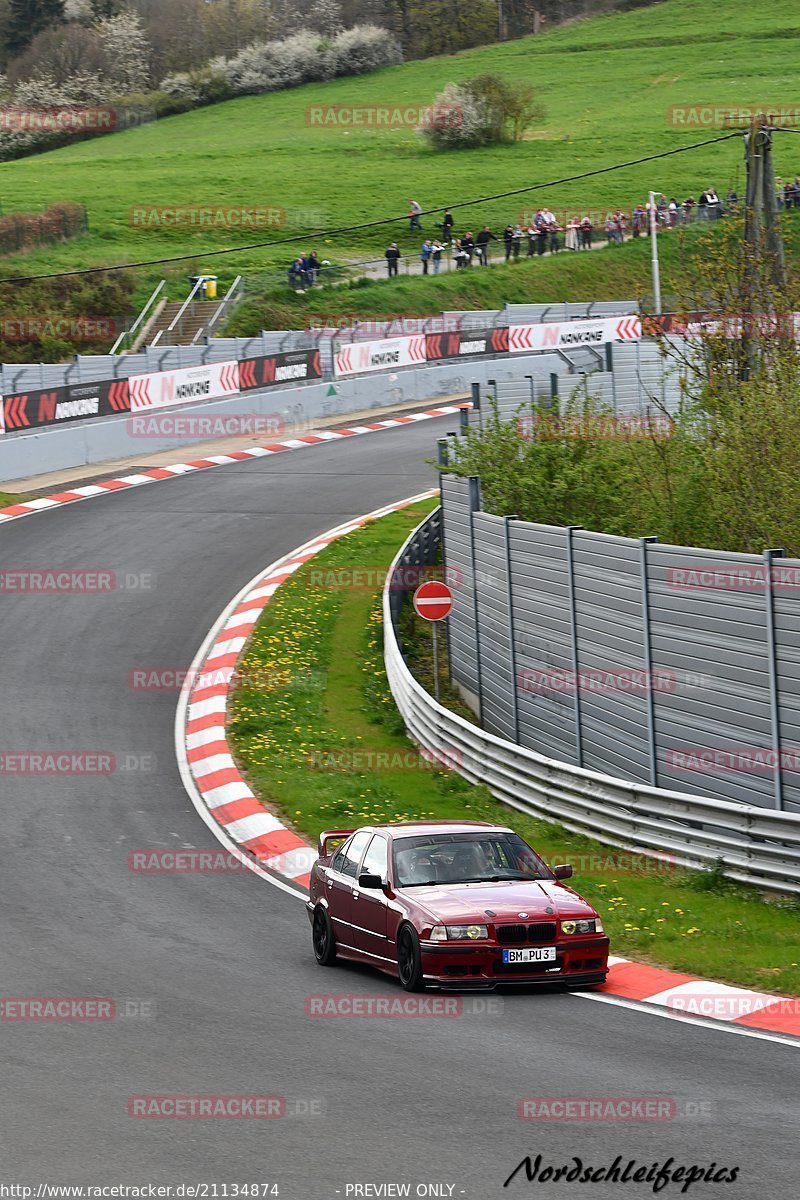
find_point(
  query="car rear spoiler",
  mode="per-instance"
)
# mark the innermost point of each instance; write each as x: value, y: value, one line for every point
x: 330, y: 836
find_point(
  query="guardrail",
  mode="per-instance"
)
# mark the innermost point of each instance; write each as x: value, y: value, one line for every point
x: 756, y: 846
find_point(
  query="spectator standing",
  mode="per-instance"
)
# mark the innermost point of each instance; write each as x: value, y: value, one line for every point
x: 296, y: 275
x: 586, y: 233
x: 482, y: 245
x: 468, y: 244
x: 436, y: 255
x: 533, y: 237
x: 713, y: 206
x: 460, y: 255
x: 414, y: 210
x: 447, y: 226
x: 508, y: 239
x: 425, y: 254
x: 638, y: 219
x: 392, y: 259
x: 571, y: 238
x: 672, y: 212
x: 516, y: 240
x: 611, y: 229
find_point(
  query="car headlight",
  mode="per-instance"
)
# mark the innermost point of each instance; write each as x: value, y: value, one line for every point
x: 593, y: 925
x: 458, y: 933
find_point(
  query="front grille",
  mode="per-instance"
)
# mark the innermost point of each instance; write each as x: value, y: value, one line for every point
x: 542, y: 931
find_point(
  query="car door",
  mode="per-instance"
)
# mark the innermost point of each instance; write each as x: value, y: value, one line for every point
x: 341, y: 885
x: 369, y: 905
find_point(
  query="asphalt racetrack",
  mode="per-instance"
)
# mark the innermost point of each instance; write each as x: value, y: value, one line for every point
x: 210, y: 973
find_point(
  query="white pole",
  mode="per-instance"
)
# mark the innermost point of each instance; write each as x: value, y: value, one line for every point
x: 435, y: 635
x: 654, y: 253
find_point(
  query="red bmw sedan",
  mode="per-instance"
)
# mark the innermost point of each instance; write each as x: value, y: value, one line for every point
x: 457, y: 904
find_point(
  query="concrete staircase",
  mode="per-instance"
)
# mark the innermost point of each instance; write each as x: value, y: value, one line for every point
x: 194, y: 319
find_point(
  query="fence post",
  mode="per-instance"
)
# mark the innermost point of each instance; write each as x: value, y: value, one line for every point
x: 474, y: 506
x: 554, y: 403
x: 610, y: 369
x: 476, y: 402
x: 573, y: 622
x: 512, y: 636
x: 772, y: 657
x: 648, y: 658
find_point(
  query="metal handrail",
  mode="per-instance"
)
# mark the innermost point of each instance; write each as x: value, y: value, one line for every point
x: 182, y: 309
x: 129, y: 332
x: 755, y: 845
x: 238, y: 283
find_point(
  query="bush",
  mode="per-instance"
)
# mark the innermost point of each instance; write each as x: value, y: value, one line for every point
x: 483, y: 111
x: 364, y: 48
x: 20, y: 231
x: 457, y: 120
x: 304, y: 57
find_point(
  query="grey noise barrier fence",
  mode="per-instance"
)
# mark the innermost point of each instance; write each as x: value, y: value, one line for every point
x: 757, y: 844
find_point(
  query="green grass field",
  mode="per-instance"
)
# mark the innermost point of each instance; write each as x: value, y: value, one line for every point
x: 606, y: 83
x: 314, y: 686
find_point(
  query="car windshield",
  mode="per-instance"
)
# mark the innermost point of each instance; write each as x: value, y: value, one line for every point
x: 464, y: 858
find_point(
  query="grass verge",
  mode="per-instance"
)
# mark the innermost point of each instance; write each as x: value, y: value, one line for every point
x: 315, y: 729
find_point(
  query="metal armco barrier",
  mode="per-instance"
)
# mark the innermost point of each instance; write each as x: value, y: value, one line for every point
x: 756, y: 845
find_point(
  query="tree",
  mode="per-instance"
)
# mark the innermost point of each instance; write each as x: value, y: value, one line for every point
x: 326, y: 17
x: 29, y: 17
x: 127, y: 51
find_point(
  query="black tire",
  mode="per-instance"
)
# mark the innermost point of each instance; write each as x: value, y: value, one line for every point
x: 323, y: 939
x: 409, y: 960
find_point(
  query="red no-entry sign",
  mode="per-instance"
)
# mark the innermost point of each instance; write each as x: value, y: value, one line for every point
x: 433, y: 600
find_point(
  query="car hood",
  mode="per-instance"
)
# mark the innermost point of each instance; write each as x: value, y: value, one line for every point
x: 449, y: 903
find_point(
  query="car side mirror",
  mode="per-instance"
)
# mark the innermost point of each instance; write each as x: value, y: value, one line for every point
x: 370, y: 881
x: 563, y: 872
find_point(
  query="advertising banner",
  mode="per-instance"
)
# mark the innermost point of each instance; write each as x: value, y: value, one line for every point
x: 272, y: 369
x: 358, y: 358
x: 465, y: 343
x: 186, y: 385
x: 78, y: 402
x: 561, y: 335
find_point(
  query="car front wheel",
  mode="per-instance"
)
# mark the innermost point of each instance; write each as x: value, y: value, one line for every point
x: 409, y: 960
x: 324, y: 941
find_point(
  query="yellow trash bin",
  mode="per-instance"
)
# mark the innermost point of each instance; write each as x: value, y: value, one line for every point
x: 211, y: 287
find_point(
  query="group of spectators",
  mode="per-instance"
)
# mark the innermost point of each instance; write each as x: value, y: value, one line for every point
x: 543, y: 233
x: 304, y: 271
x: 788, y: 193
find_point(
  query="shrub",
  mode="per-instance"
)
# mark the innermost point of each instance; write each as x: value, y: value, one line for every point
x: 302, y: 58
x: 364, y: 48
x: 458, y: 120
x: 492, y: 110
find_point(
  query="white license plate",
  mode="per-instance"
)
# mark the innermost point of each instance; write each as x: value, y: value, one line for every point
x: 530, y: 954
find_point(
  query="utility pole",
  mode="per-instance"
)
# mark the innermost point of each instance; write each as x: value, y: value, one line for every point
x: 762, y: 237
x: 501, y: 22
x: 654, y: 263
